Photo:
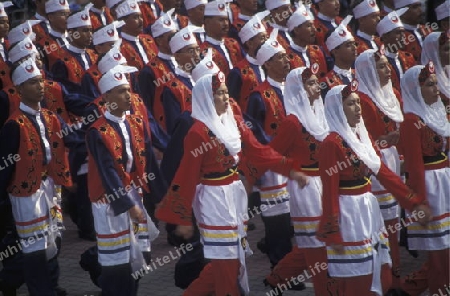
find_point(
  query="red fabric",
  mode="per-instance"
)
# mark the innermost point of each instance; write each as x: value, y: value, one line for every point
x: 315, y: 56
x: 54, y: 100
x: 322, y: 30
x: 323, y: 284
x: 335, y: 153
x: 438, y: 275
x: 249, y: 82
x: 132, y: 55
x: 203, y: 154
x: 14, y: 99
x: 414, y: 47
x: 96, y: 21
x: 5, y: 74
x: 294, y: 141
x: 39, y: 30
x: 163, y: 75
x: 292, y: 265
x: 26, y: 179
x: 417, y: 282
x: 219, y: 277
x: 362, y: 46
x: 332, y: 79
x: 147, y: 13
x: 234, y: 51
x: 75, y: 70
x: 280, y: 38
x: 360, y: 285
x: 407, y: 61
x: 395, y: 253
x: 418, y: 140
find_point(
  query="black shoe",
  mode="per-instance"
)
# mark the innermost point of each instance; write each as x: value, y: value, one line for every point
x: 261, y: 245
x: 6, y: 289
x: 60, y: 291
x: 251, y: 226
x: 91, y: 236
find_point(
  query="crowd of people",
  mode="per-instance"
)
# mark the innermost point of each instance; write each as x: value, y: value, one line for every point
x: 128, y: 114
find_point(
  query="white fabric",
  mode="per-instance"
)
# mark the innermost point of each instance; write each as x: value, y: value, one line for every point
x: 339, y: 35
x: 56, y: 5
x: 274, y: 202
x: 403, y: 3
x: 306, y: 203
x: 164, y: 24
x: 389, y: 207
x: 4, y: 5
x: 273, y: 4
x: 25, y: 71
x: 224, y: 127
x: 183, y: 38
x: 365, y: 8
x: 443, y: 10
x: 22, y: 49
x: 433, y: 115
x: 430, y: 52
x: 180, y: 72
x: 415, y: 31
x: 115, y: 77
x: 112, y: 58
x: 296, y: 102
x: 300, y: 16
x: 80, y: 19
x: 35, y: 208
x: 22, y: 31
x: 269, y: 48
x: 111, y: 3
x: 369, y: 83
x: 217, y: 8
x: 205, y: 67
x: 101, y: 13
x: 222, y: 46
x: 107, y: 33
x: 189, y: 4
x: 126, y: 8
x: 436, y: 236
x: 337, y: 121
x: 390, y: 22
x: 253, y: 27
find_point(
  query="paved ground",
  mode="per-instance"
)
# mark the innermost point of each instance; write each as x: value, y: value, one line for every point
x: 160, y: 281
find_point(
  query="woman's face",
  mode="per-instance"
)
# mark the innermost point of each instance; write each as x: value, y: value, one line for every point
x: 352, y: 109
x: 312, y: 88
x: 383, y: 70
x: 430, y: 90
x: 221, y: 99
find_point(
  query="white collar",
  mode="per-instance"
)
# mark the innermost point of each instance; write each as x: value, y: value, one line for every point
x: 114, y: 118
x: 252, y: 60
x: 57, y: 34
x: 244, y: 17
x: 40, y: 17
x: 276, y: 84
x: 29, y: 110
x: 164, y: 56
x: 410, y: 27
x: 129, y: 37
x: 326, y: 18
x: 183, y: 73
x: 75, y: 49
x: 364, y: 35
x: 214, y: 41
x: 197, y: 28
x: 96, y: 10
x: 391, y: 54
x: 299, y: 48
x: 344, y: 72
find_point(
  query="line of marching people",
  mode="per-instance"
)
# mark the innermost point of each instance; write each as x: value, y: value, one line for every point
x: 141, y: 112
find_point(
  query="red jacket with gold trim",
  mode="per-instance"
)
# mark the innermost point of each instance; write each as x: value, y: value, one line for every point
x: 414, y: 47
x: 315, y: 55
x: 234, y: 51
x: 96, y: 20
x: 28, y: 173
x: 133, y: 57
x: 362, y: 45
x: 53, y: 96
x: 407, y: 61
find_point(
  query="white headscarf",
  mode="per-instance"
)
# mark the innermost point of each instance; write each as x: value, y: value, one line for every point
x: 297, y: 103
x: 369, y: 83
x: 337, y: 121
x: 433, y: 115
x: 224, y: 126
x: 430, y: 52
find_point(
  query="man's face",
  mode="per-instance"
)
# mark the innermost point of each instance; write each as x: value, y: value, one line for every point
x: 330, y: 8
x: 278, y: 65
x: 413, y: 15
x: 248, y: 5
x: 58, y: 20
x: 134, y: 24
x: 188, y: 57
x: 217, y: 26
x: 395, y: 39
x: 306, y: 32
x: 81, y: 37
x: 32, y: 90
x: 121, y: 96
x: 4, y: 26
x: 369, y: 23
x: 346, y: 52
x: 197, y: 14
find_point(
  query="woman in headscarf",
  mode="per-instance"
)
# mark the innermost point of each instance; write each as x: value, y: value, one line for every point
x: 213, y: 148
x: 382, y: 114
x: 436, y: 48
x: 300, y: 136
x: 351, y: 224
x: 424, y: 135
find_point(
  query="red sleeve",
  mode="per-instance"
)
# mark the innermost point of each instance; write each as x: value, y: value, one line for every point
x: 370, y: 116
x: 286, y: 134
x: 329, y: 155
x: 260, y: 158
x: 176, y: 206
x: 404, y: 195
x: 411, y: 142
